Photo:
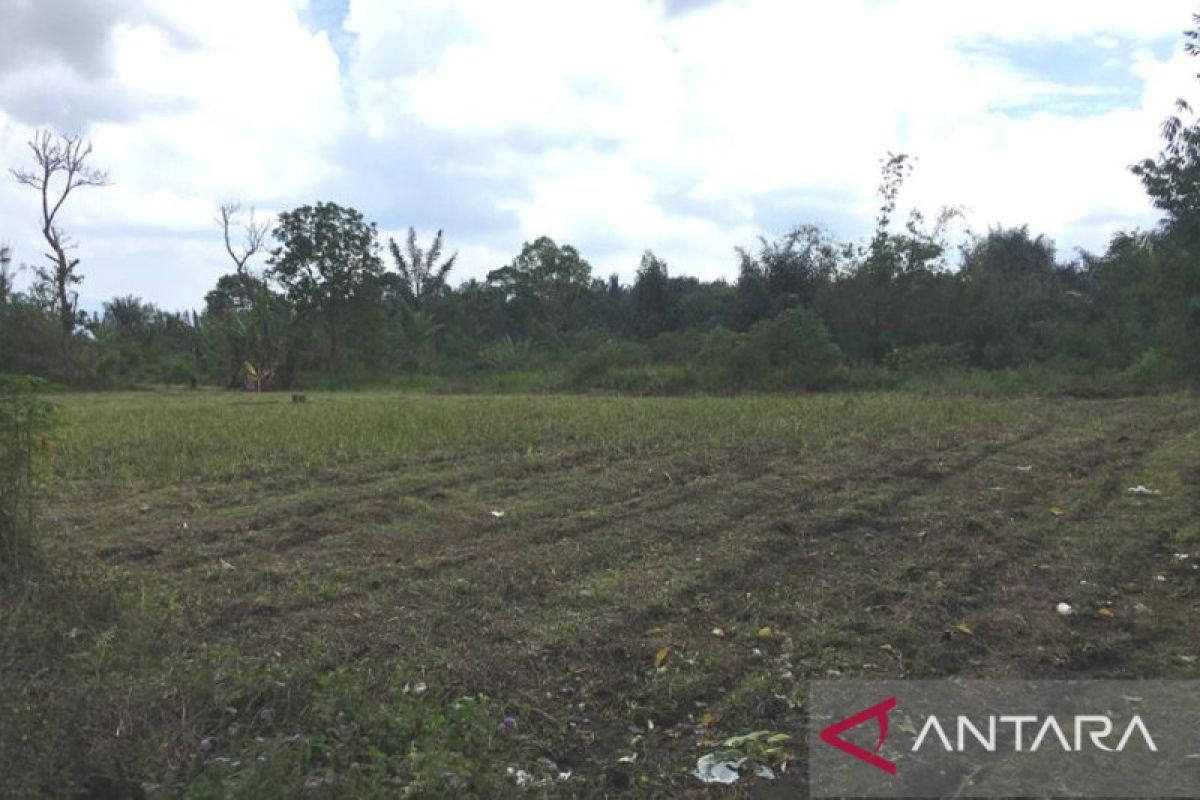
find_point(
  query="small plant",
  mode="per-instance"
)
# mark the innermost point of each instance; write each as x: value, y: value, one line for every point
x: 927, y: 359
x: 506, y: 354
x: 25, y: 424
x: 257, y: 376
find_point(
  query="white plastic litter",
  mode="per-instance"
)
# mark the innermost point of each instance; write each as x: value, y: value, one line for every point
x: 1064, y: 609
x: 1143, y: 490
x: 498, y: 514
x: 711, y: 769
x: 719, y: 768
x: 521, y: 777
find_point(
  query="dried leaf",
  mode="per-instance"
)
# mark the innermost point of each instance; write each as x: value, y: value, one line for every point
x: 660, y: 658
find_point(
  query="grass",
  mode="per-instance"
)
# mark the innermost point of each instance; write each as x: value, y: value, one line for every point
x: 26, y: 422
x: 166, y: 437
x: 246, y: 597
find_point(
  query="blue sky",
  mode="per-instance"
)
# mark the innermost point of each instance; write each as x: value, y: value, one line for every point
x: 329, y: 16
x: 1099, y: 68
x: 616, y: 126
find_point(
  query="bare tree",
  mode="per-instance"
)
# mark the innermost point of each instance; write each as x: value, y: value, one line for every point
x: 255, y: 348
x: 61, y: 168
x: 253, y: 234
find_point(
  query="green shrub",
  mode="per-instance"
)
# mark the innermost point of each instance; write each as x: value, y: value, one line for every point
x: 25, y: 423
x: 1152, y: 368
x: 594, y: 367
x: 791, y: 351
x: 506, y: 354
x: 927, y: 359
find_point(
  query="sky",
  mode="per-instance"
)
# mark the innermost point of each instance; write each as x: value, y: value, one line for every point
x: 685, y: 127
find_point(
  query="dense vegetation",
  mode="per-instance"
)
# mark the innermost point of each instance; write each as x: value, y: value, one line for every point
x: 806, y: 311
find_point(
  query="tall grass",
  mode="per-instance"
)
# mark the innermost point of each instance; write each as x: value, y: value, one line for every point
x: 161, y: 438
x: 25, y: 422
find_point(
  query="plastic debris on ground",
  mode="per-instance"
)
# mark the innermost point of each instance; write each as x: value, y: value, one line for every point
x: 726, y: 765
x: 1143, y: 491
x: 521, y: 777
x: 711, y: 769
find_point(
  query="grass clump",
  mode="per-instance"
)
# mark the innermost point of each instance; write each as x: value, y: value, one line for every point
x: 25, y: 423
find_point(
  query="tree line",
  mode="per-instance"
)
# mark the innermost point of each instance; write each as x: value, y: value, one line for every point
x: 315, y: 298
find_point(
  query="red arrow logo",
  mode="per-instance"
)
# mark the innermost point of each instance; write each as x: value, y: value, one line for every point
x: 832, y: 735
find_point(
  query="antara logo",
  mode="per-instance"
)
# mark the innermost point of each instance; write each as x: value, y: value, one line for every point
x: 1096, y: 730
x: 833, y: 735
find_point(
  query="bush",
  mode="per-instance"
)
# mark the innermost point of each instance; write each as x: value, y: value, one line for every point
x: 595, y: 367
x: 791, y: 351
x: 927, y: 359
x: 1152, y: 368
x: 506, y: 354
x: 25, y: 423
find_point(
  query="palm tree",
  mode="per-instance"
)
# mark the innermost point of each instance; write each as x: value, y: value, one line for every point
x: 421, y: 277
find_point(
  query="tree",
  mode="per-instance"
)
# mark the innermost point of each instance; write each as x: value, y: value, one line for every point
x: 327, y: 253
x: 243, y: 308
x: 651, y: 296
x: 1172, y: 179
x: 785, y: 273
x: 421, y: 276
x: 129, y: 315
x: 883, y: 303
x: 249, y: 326
x: 61, y: 169
x: 254, y: 233
x: 544, y: 283
x: 1009, y: 281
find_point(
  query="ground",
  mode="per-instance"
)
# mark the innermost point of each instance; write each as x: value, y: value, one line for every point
x: 446, y: 595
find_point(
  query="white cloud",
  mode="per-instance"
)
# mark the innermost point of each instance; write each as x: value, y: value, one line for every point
x: 247, y: 107
x: 611, y: 125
